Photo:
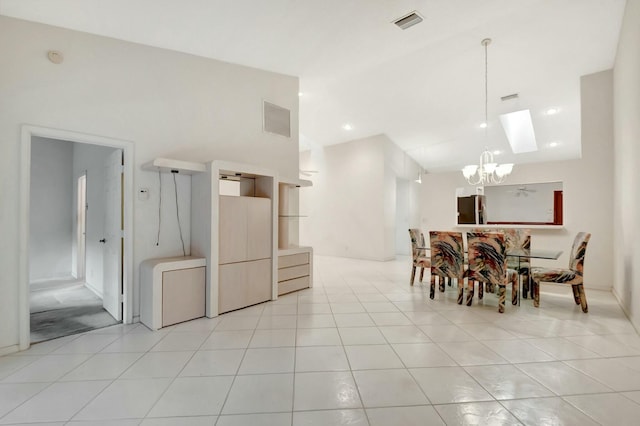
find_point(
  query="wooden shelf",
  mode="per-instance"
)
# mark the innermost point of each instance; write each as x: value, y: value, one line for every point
x: 167, y: 165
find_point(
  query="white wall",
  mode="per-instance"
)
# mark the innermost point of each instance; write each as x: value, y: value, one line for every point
x: 351, y: 206
x: 51, y: 210
x: 346, y: 214
x: 587, y: 183
x: 91, y: 159
x: 169, y: 104
x: 627, y: 164
x: 403, y: 202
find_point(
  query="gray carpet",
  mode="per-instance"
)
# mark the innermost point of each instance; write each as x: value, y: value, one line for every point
x: 65, y: 308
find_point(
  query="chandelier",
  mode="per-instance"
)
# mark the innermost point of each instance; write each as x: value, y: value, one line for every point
x: 488, y: 171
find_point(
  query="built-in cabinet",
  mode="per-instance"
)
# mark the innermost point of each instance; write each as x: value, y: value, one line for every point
x: 245, y: 251
x: 172, y: 290
x: 244, y: 228
x: 234, y: 226
x: 295, y: 266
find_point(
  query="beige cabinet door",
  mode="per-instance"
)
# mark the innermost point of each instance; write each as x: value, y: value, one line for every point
x: 183, y: 295
x: 243, y: 284
x: 232, y: 291
x: 259, y: 228
x: 233, y: 231
x: 259, y: 281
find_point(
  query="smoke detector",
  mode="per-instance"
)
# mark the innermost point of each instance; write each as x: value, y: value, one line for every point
x: 55, y: 56
x: 408, y: 20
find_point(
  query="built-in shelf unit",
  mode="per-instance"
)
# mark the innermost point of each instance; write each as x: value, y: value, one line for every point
x: 295, y: 262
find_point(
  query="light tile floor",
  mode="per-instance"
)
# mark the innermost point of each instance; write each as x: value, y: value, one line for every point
x: 360, y: 348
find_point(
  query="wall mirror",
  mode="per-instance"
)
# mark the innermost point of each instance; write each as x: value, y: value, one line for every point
x: 522, y: 204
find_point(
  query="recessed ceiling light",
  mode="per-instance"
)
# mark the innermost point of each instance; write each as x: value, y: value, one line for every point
x: 347, y: 126
x: 497, y: 152
x: 551, y: 111
x: 300, y: 93
x: 483, y: 125
x: 553, y: 144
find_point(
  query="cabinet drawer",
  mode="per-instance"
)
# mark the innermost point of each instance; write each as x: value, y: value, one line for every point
x: 293, y: 285
x: 293, y: 260
x: 293, y: 272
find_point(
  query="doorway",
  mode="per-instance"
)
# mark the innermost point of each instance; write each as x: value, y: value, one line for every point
x: 71, y: 273
x: 75, y: 281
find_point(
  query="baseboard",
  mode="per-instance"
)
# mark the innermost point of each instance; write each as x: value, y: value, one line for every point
x: 626, y: 312
x: 9, y: 350
x: 93, y: 290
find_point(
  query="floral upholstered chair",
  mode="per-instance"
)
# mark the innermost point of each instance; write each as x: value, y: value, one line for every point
x: 447, y: 260
x: 488, y: 264
x: 573, y: 275
x: 420, y: 260
x: 516, y: 239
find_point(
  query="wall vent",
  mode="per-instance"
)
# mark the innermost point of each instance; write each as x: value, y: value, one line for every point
x: 276, y: 119
x: 408, y: 20
x: 509, y: 97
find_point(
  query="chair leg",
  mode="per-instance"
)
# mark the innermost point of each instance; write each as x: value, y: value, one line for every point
x: 441, y: 284
x: 421, y: 274
x: 432, y: 287
x: 470, y: 287
x: 536, y: 293
x: 514, y: 291
x: 460, y: 290
x: 449, y: 281
x: 481, y: 287
x: 576, y: 293
x: 413, y: 275
x: 527, y: 287
x: 502, y: 292
x: 583, y: 299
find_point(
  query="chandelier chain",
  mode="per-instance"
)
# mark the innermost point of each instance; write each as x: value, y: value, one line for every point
x: 487, y: 171
x: 486, y: 93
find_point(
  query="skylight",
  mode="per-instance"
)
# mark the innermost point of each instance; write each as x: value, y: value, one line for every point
x: 519, y: 130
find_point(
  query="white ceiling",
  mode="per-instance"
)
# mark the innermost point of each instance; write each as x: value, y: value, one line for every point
x: 422, y: 87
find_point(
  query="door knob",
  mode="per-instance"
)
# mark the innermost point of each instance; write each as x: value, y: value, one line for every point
x: 103, y: 241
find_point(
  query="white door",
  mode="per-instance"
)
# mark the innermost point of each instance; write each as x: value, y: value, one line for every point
x: 113, y: 235
x: 81, y: 226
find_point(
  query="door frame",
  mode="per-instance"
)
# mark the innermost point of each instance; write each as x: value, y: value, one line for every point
x: 27, y: 132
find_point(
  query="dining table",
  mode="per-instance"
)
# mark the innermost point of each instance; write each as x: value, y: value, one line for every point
x: 545, y: 254
x: 531, y: 254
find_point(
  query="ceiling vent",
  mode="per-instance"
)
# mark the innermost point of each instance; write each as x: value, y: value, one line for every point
x: 408, y: 21
x: 509, y: 97
x: 276, y: 119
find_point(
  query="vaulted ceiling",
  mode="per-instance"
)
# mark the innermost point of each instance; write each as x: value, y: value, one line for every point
x: 423, y: 87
